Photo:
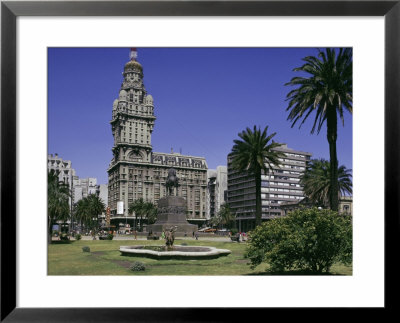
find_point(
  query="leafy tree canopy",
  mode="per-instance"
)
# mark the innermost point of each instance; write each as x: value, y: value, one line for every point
x: 58, y: 198
x: 317, y: 184
x: 88, y: 209
x: 306, y: 239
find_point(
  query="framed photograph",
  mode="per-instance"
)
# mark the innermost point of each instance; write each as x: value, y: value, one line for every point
x: 36, y: 35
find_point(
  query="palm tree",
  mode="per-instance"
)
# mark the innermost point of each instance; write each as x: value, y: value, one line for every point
x: 150, y: 212
x: 82, y: 211
x: 226, y: 216
x: 327, y: 90
x: 96, y: 207
x: 88, y: 209
x: 139, y: 207
x: 57, y: 200
x: 316, y: 181
x: 255, y: 153
x: 215, y: 221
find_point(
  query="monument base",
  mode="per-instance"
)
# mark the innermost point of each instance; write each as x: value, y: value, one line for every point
x: 171, y: 213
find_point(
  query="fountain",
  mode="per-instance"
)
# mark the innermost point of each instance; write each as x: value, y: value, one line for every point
x: 171, y: 220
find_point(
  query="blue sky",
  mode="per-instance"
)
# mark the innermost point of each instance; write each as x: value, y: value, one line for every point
x: 203, y: 98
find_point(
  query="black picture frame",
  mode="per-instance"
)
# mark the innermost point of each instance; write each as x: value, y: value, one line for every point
x: 10, y: 10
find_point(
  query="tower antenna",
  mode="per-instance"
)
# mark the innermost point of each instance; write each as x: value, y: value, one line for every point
x: 133, y: 54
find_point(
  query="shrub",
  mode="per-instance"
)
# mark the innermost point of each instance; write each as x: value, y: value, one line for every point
x: 234, y: 231
x: 110, y: 236
x: 86, y: 249
x: 78, y: 237
x: 137, y: 266
x: 307, y: 239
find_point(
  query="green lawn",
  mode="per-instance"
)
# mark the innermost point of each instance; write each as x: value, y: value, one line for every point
x: 105, y: 259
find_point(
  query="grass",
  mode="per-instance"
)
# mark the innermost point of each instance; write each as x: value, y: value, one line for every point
x: 105, y: 259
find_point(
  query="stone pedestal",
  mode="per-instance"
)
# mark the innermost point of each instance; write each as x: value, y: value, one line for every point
x: 172, y: 212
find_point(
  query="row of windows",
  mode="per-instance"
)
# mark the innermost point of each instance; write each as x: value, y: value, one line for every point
x: 271, y: 189
x: 295, y: 155
x: 292, y: 161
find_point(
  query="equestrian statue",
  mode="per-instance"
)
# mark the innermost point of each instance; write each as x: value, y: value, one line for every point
x: 172, y: 181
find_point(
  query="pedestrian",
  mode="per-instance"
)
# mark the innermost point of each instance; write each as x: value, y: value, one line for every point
x: 197, y: 236
x: 193, y: 234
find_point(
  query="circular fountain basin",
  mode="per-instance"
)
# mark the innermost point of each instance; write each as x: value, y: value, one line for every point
x: 178, y: 252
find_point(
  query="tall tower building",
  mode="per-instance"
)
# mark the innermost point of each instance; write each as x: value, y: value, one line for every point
x: 135, y: 170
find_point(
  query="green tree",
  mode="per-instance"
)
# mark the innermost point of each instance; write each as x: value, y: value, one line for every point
x: 316, y: 181
x: 150, y: 211
x: 226, y: 217
x: 306, y: 239
x: 216, y: 221
x: 81, y: 211
x: 96, y: 205
x: 140, y: 208
x: 327, y: 90
x: 255, y: 153
x: 57, y: 201
x: 88, y: 209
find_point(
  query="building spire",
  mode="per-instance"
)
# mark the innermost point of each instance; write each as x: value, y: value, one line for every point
x: 133, y: 54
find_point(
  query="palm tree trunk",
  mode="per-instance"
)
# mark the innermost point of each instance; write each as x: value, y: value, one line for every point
x: 332, y: 137
x: 257, y: 174
x: 50, y: 231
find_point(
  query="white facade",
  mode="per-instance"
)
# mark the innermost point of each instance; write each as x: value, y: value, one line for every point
x: 82, y: 187
x: 217, y: 182
x: 221, y: 186
x: 64, y: 169
x: 103, y: 193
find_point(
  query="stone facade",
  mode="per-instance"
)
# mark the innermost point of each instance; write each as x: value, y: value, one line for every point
x: 135, y: 170
x: 172, y: 212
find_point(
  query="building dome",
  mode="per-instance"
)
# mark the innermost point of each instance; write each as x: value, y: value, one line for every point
x: 133, y: 65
